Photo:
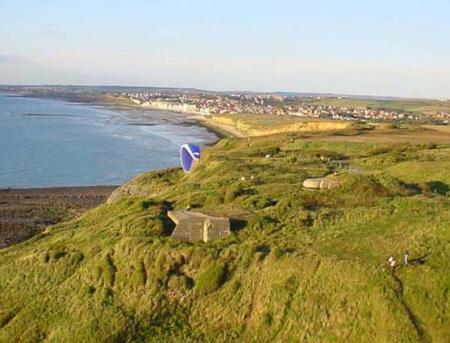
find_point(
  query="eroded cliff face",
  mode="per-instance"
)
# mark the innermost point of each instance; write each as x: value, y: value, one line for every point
x: 244, y: 127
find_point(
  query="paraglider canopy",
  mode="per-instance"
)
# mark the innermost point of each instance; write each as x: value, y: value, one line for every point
x: 189, y: 154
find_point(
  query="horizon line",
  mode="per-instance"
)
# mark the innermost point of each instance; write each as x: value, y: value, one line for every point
x: 329, y: 94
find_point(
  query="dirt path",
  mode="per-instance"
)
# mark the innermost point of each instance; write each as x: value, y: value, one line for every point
x: 411, y: 316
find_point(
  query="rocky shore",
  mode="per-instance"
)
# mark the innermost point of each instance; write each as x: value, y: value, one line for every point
x: 26, y: 212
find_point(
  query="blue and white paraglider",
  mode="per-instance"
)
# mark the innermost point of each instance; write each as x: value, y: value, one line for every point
x: 189, y: 155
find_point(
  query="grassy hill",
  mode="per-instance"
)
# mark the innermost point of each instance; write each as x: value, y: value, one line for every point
x: 300, y: 265
x: 416, y: 106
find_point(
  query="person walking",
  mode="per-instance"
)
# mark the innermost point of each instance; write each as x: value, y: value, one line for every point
x: 406, y: 258
x: 391, y: 262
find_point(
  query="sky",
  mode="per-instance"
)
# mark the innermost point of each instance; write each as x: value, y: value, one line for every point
x: 383, y: 47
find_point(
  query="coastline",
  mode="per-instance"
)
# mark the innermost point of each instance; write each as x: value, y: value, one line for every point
x: 112, y: 103
x: 25, y: 212
x: 221, y: 131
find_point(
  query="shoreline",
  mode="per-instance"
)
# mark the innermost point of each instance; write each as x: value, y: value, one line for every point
x: 113, y: 103
x: 219, y: 130
x: 25, y: 212
x: 134, y: 115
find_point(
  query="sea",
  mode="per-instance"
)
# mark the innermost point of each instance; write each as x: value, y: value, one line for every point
x: 53, y: 143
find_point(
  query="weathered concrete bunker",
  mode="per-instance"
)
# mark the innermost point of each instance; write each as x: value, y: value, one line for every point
x: 320, y: 183
x: 195, y: 226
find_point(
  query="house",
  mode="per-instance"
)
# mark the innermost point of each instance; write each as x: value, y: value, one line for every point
x: 195, y: 226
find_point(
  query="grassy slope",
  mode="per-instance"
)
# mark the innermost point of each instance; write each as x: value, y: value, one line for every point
x: 299, y: 265
x: 414, y: 106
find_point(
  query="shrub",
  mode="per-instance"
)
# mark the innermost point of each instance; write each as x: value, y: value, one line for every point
x: 211, y: 277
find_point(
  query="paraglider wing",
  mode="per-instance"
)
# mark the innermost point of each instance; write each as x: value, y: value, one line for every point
x: 189, y: 154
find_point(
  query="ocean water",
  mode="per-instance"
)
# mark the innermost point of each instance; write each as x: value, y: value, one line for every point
x: 45, y: 143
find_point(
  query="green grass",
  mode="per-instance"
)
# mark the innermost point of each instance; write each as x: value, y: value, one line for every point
x: 299, y: 265
x: 413, y: 106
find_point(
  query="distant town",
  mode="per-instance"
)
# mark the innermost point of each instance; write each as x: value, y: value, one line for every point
x: 271, y: 104
x: 306, y: 105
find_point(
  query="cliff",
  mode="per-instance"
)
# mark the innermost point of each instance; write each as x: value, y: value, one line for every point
x: 298, y: 265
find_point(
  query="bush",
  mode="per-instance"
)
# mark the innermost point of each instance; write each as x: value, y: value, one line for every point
x: 211, y: 277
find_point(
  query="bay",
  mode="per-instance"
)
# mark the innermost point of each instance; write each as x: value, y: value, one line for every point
x: 46, y: 143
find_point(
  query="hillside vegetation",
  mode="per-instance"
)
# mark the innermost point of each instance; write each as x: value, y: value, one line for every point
x: 416, y: 106
x: 300, y: 265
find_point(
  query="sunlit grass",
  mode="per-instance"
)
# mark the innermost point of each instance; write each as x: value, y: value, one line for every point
x: 299, y: 264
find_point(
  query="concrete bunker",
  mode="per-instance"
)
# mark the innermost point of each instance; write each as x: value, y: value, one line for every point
x: 195, y: 226
x: 320, y: 183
